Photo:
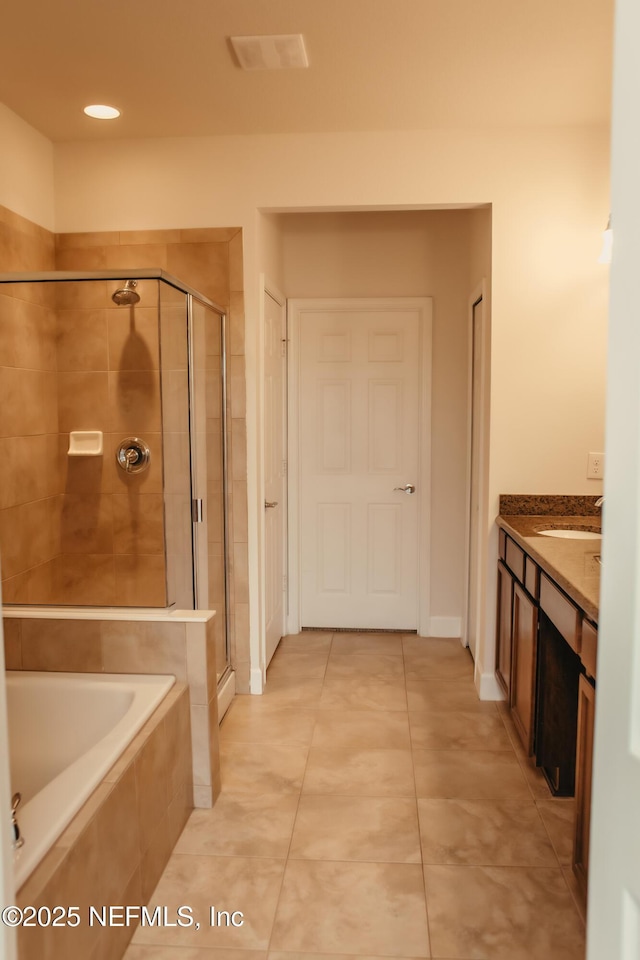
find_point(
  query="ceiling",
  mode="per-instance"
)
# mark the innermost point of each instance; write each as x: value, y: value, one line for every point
x: 374, y: 65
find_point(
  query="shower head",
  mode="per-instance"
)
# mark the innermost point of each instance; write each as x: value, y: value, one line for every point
x: 126, y: 296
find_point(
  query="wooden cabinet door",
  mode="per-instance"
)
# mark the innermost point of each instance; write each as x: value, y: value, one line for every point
x: 503, y: 628
x: 524, y: 649
x: 584, y: 763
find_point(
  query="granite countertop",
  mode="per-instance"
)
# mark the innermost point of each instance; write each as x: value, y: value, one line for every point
x: 570, y: 563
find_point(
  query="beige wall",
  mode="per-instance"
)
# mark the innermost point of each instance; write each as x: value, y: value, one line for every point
x: 408, y: 254
x: 26, y: 171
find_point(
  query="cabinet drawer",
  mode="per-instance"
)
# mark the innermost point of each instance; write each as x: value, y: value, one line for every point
x: 561, y: 611
x: 589, y: 647
x: 515, y: 559
x: 532, y: 577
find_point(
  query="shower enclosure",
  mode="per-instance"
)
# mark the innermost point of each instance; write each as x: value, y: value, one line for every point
x: 113, y: 444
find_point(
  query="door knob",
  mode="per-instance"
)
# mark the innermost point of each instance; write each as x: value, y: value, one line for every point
x: 268, y: 504
x: 408, y: 488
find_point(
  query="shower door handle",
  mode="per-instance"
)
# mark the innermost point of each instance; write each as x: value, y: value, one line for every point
x: 269, y: 504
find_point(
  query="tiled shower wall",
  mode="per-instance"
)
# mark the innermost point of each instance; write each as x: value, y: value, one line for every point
x: 210, y: 260
x: 29, y: 476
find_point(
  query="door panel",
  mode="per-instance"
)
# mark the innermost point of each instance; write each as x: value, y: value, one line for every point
x: 359, y: 439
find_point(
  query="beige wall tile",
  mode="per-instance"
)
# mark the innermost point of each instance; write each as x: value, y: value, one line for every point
x: 208, y: 234
x: 113, y: 940
x: 204, y: 266
x: 83, y: 399
x: 80, y: 294
x: 134, y: 402
x: 155, y: 857
x: 67, y: 645
x: 129, y: 237
x: 240, y: 522
x: 28, y: 399
x: 202, y: 797
x: 86, y: 523
x: 140, y: 581
x: 28, y: 469
x: 135, y: 256
x: 27, y: 334
x: 241, y: 578
x: 81, y: 340
x: 237, y: 387
x: 144, y: 647
x: 235, y: 325
x: 28, y: 535
x: 236, y: 271
x: 214, y: 745
x: 12, y: 644
x: 197, y: 663
x: 80, y: 241
x: 77, y: 258
x: 85, y: 579
x: 238, y: 449
x: 200, y: 745
x: 138, y: 523
x: 133, y: 340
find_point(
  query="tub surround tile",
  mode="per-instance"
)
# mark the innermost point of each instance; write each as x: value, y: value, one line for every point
x: 12, y: 630
x: 112, y: 853
x: 139, y: 647
x: 68, y: 646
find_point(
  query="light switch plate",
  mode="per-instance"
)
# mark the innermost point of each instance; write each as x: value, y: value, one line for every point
x: 595, y: 466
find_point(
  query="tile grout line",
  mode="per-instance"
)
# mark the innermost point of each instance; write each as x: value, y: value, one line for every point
x: 295, y: 818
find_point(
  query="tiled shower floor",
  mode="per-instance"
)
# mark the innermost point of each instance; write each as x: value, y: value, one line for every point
x: 372, y: 807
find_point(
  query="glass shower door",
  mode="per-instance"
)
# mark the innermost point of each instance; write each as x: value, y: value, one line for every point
x: 208, y: 446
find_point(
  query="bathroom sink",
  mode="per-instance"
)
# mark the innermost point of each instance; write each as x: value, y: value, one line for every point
x: 571, y: 534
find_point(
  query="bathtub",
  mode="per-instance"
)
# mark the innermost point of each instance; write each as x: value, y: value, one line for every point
x: 65, y: 732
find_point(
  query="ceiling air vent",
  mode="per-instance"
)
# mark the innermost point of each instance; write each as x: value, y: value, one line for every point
x: 280, y: 52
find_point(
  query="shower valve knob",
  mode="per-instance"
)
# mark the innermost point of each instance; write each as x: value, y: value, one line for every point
x: 133, y: 455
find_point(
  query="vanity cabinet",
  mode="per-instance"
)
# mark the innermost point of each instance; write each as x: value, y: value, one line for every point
x: 524, y: 655
x: 546, y: 665
x: 504, y: 626
x: 584, y: 770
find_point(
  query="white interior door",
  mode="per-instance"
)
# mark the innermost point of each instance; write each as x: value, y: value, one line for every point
x: 275, y: 507
x: 359, y: 450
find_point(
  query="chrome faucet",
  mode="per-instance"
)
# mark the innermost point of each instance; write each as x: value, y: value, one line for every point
x: 599, y: 502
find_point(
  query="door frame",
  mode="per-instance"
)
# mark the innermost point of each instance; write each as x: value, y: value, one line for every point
x: 258, y: 673
x: 480, y: 293
x: 425, y: 306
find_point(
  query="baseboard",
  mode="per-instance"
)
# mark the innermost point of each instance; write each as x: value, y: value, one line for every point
x: 488, y: 687
x: 445, y: 626
x: 226, y: 693
x: 256, y: 683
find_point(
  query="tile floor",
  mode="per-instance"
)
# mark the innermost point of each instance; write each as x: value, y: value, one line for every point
x: 373, y: 807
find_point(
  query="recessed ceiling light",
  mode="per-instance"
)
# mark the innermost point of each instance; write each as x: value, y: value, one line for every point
x: 100, y: 111
x: 279, y: 52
